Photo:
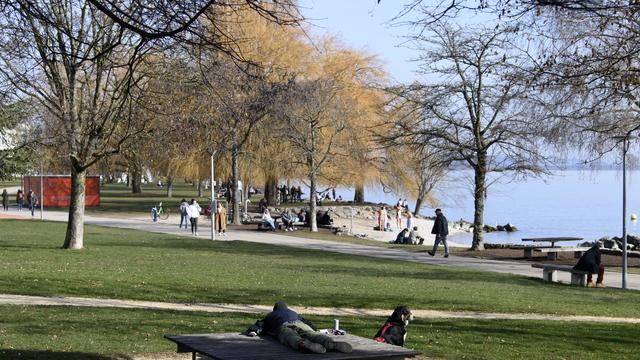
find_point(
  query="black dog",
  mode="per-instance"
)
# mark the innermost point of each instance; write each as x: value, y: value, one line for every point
x: 394, y: 331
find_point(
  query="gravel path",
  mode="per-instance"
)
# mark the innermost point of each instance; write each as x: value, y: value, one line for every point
x: 8, y: 299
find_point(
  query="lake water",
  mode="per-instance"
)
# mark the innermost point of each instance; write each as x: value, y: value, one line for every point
x: 586, y: 204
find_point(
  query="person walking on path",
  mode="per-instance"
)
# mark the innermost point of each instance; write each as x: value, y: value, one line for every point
x: 184, y: 216
x: 296, y: 332
x: 5, y: 200
x: 590, y: 261
x: 33, y: 204
x: 221, y: 219
x: 20, y: 199
x: 194, y: 213
x: 29, y: 198
x: 441, y: 230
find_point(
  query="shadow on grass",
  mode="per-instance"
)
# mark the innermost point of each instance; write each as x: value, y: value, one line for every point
x: 9, y: 354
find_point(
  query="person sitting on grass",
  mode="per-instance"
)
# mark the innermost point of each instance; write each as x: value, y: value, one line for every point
x: 590, y: 262
x: 414, y: 238
x: 402, y: 237
x: 296, y: 332
x: 268, y: 220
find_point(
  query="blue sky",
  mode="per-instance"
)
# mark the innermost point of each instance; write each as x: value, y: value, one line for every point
x: 364, y: 25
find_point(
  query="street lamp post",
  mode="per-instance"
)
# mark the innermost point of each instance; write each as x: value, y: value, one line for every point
x: 625, y: 147
x: 213, y: 197
x: 41, y: 191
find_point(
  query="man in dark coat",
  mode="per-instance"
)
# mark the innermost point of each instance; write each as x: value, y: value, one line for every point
x: 590, y: 261
x: 296, y: 332
x: 441, y: 230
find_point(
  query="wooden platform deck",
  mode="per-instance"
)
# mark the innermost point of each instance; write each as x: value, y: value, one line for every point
x: 228, y: 346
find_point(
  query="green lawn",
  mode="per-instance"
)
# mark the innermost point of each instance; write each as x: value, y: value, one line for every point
x: 46, y: 333
x: 130, y: 264
x: 117, y: 198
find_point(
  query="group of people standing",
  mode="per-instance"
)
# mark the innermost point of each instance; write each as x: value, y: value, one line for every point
x: 401, y: 208
x: 190, y: 213
x: 293, y: 194
x: 31, y: 199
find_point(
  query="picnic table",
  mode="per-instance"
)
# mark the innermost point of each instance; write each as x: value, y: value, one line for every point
x: 550, y: 250
x: 227, y: 346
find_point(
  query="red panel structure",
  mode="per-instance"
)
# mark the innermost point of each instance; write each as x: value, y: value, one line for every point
x: 57, y: 189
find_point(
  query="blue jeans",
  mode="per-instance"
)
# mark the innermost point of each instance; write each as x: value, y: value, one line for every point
x: 443, y: 239
x: 271, y: 224
x: 184, y: 219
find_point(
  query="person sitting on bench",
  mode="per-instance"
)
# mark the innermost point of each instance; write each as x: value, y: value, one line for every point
x: 296, y: 332
x: 590, y: 261
x: 287, y: 220
x: 268, y: 220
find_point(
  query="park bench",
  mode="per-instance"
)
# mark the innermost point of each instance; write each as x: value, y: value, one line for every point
x: 552, y: 253
x: 227, y: 346
x: 550, y: 273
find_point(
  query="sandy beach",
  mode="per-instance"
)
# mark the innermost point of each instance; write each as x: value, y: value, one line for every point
x: 363, y: 224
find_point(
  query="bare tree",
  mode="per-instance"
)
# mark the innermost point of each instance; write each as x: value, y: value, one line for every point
x: 83, y: 71
x: 312, y: 123
x: 586, y: 53
x: 241, y: 98
x: 474, y: 111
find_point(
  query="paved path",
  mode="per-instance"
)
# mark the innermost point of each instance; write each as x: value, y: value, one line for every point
x: 8, y: 299
x: 612, y: 279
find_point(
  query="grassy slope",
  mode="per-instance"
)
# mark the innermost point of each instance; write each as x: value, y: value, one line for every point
x: 138, y: 265
x: 93, y: 333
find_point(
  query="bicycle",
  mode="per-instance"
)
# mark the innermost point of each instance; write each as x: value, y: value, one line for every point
x: 158, y: 212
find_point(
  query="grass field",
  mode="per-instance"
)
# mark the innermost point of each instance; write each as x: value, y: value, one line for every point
x: 129, y: 264
x: 46, y: 333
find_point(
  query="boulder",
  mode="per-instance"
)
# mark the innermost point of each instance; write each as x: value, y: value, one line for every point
x: 488, y: 228
x: 633, y: 240
x: 500, y: 228
x: 510, y: 228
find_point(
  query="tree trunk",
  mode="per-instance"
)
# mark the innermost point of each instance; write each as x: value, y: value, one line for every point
x: 480, y: 173
x: 358, y: 197
x: 313, y: 208
x: 200, y: 188
x: 419, y: 202
x: 170, y: 187
x: 270, y: 189
x: 136, y: 187
x: 235, y: 177
x: 75, y: 225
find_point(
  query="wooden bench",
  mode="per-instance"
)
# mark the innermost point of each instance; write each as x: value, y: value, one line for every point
x: 550, y: 273
x: 552, y: 253
x: 227, y: 346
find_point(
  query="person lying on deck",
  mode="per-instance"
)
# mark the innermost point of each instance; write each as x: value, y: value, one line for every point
x: 296, y: 332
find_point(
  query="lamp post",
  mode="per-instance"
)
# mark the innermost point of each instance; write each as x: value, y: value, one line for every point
x: 625, y: 147
x: 212, y: 213
x: 41, y: 191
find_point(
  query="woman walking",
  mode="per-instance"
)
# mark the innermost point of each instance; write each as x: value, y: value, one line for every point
x: 194, y: 213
